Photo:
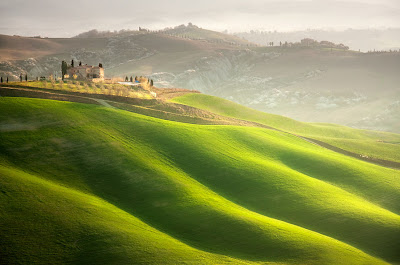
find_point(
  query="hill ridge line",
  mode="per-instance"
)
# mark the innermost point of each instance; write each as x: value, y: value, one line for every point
x: 72, y: 97
x: 129, y: 129
x: 189, y: 178
x: 49, y: 184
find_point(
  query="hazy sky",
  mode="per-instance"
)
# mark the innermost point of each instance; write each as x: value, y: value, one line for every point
x: 55, y: 18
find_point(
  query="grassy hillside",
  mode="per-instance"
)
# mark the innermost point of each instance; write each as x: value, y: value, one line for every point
x: 374, y: 144
x: 43, y: 222
x: 104, y: 184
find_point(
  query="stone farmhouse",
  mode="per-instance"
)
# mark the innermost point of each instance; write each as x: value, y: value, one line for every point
x: 85, y: 72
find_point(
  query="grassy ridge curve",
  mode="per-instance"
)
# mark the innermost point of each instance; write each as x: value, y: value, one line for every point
x: 54, y: 224
x: 381, y: 145
x: 194, y: 183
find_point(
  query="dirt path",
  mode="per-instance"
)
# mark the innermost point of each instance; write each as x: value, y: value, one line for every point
x: 30, y: 93
x: 103, y: 102
x: 380, y: 162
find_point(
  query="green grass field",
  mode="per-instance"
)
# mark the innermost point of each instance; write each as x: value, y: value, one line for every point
x: 88, y: 184
x: 381, y: 145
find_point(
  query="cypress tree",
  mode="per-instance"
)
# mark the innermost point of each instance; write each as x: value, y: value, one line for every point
x: 26, y: 77
x: 151, y: 82
x: 64, y: 68
x: 72, y: 62
x: 20, y: 77
x: 7, y: 79
x: 1, y: 80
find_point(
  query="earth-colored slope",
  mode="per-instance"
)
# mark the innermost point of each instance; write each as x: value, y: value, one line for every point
x: 121, y: 55
x: 235, y: 191
x: 20, y: 48
x: 373, y: 144
x: 17, y: 48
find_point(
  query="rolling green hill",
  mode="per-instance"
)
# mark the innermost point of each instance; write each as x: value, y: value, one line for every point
x: 381, y: 145
x: 87, y: 184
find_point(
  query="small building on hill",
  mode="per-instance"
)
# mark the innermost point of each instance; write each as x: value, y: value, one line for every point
x: 85, y: 72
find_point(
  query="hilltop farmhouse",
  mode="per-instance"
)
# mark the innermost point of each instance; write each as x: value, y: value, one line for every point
x: 83, y: 72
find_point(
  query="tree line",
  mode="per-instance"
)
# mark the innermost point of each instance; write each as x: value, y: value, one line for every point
x: 141, y: 80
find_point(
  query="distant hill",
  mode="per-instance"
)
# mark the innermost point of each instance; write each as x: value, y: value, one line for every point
x: 316, y: 83
x: 189, y: 31
x: 363, y: 39
x: 19, y: 48
x: 38, y: 56
x: 196, y: 33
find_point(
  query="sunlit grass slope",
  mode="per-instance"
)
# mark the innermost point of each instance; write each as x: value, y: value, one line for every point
x: 43, y: 222
x: 381, y: 145
x: 207, y: 192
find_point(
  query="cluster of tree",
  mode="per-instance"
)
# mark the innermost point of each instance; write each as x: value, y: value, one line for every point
x: 187, y: 32
x: 94, y: 33
x: 385, y: 51
x: 364, y: 39
x: 307, y: 42
x: 1, y: 80
x: 21, y: 77
x: 141, y: 79
x: 143, y: 29
x: 64, y: 68
x: 180, y: 27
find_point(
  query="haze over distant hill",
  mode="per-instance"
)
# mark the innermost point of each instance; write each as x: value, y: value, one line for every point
x: 311, y: 83
x: 356, y: 39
